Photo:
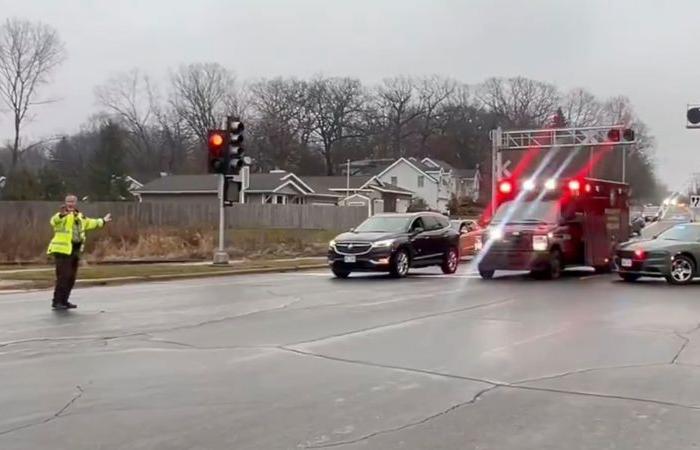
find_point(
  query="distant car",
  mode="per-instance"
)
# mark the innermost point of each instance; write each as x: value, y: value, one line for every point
x: 649, y: 212
x: 395, y: 243
x: 673, y: 254
x: 667, y: 217
x: 468, y: 232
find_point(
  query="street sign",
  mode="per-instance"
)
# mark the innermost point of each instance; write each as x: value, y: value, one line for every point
x: 695, y: 201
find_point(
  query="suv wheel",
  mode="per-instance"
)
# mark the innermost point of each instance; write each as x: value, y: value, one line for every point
x: 400, y: 264
x: 340, y: 273
x: 682, y: 270
x: 450, y: 261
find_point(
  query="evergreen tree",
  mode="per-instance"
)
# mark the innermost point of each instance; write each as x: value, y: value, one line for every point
x: 107, y: 167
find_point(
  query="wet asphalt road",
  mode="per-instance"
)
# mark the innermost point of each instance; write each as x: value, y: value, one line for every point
x: 289, y: 361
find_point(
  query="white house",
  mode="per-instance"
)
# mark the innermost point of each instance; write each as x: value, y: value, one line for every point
x: 426, y: 182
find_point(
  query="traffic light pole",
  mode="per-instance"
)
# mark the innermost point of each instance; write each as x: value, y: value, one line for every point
x: 220, y: 255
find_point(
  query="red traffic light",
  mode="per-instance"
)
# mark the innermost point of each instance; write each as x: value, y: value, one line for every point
x: 614, y: 135
x: 215, y: 140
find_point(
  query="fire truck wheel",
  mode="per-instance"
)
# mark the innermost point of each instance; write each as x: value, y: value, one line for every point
x: 605, y: 268
x: 486, y: 274
x: 554, y: 269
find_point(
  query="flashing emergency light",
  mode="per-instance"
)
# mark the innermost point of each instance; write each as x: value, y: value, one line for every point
x: 529, y: 185
x: 587, y: 188
x: 550, y: 184
x: 574, y: 185
x: 505, y: 187
x: 639, y: 254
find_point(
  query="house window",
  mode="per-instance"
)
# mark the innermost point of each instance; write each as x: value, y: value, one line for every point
x: 421, y: 181
x: 279, y: 199
x: 395, y: 181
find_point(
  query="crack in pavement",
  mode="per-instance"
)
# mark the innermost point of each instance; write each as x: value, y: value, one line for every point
x: 366, y: 437
x: 401, y: 322
x: 56, y: 415
x: 388, y: 366
x: 586, y: 370
x: 686, y: 341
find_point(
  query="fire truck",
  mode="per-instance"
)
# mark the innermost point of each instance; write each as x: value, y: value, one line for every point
x: 544, y: 226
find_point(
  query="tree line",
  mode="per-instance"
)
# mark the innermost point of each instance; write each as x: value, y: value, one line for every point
x: 308, y: 126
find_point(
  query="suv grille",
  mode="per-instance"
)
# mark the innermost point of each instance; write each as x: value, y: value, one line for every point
x: 352, y: 248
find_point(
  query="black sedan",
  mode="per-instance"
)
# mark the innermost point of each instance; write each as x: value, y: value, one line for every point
x: 673, y: 254
x: 394, y: 243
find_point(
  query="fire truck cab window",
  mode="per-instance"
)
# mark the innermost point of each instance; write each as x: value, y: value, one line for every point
x: 547, y: 211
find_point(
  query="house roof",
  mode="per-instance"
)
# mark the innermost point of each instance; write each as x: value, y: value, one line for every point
x: 203, y: 184
x: 417, y: 165
x: 325, y: 184
x: 447, y: 167
x: 181, y: 184
x: 393, y: 189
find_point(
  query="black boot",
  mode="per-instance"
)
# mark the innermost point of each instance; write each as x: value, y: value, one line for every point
x: 69, y: 305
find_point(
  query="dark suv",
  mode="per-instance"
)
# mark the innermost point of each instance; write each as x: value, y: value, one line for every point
x: 394, y: 243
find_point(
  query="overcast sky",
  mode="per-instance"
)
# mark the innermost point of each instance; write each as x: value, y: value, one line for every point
x: 643, y: 49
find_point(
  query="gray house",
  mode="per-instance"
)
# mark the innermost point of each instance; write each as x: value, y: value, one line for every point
x: 285, y: 188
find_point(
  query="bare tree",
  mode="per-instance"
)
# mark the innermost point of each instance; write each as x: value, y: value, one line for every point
x: 282, y: 123
x: 202, y: 94
x: 433, y: 95
x: 582, y: 109
x: 29, y: 52
x: 397, y: 107
x: 520, y: 101
x: 336, y: 107
x: 132, y: 99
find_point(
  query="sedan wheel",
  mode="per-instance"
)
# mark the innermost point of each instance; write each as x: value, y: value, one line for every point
x: 400, y: 264
x: 682, y: 270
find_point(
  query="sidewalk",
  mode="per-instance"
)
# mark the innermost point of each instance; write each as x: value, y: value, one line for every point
x: 96, y: 274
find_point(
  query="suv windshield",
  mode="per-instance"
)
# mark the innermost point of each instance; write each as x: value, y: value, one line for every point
x: 528, y: 212
x: 689, y: 233
x: 384, y: 224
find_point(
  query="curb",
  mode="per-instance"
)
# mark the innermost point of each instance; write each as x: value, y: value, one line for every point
x: 137, y: 279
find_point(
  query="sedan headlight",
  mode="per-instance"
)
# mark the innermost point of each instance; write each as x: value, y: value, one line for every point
x: 331, y: 244
x: 383, y: 244
x: 540, y: 243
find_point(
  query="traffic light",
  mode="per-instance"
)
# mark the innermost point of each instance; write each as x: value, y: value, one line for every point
x: 236, y: 158
x: 617, y: 135
x: 216, y: 145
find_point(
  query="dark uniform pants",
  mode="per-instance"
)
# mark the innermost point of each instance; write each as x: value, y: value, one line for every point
x: 66, y: 271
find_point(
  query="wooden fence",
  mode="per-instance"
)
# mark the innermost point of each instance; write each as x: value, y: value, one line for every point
x: 194, y: 214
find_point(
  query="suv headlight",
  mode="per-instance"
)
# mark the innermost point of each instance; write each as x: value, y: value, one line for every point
x: 383, y: 244
x: 331, y: 245
x: 540, y: 243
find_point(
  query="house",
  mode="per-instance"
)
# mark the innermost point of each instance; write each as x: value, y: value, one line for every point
x: 285, y: 188
x: 431, y: 179
x: 364, y: 191
x: 277, y: 187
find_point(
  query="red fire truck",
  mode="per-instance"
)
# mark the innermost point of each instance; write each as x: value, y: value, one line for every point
x: 547, y: 225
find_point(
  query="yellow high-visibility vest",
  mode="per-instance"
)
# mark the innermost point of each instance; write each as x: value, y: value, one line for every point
x: 62, y: 241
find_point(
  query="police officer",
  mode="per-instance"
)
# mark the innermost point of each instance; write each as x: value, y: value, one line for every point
x: 69, y: 226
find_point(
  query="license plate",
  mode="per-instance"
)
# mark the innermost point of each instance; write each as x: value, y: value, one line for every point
x: 626, y: 262
x: 350, y: 259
